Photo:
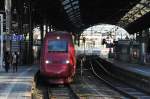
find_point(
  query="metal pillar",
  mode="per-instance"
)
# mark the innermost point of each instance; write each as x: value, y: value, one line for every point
x: 1, y: 38
x: 147, y: 40
x: 20, y: 30
x: 46, y: 28
x: 42, y: 33
x: 143, y: 51
x: 78, y: 38
x: 143, y: 61
x: 50, y: 28
x: 8, y: 21
x: 30, y: 56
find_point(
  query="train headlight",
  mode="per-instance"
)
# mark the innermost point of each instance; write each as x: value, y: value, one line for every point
x: 47, y: 62
x: 58, y: 37
x: 67, y: 62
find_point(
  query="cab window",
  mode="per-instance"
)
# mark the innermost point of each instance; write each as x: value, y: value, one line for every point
x: 57, y: 46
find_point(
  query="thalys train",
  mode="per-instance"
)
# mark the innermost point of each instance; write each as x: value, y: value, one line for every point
x: 58, y: 61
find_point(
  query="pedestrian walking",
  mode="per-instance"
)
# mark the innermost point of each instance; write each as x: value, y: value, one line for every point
x: 7, y: 60
x: 10, y: 61
x: 15, y: 62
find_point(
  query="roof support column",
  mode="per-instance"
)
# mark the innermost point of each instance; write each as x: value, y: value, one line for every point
x: 42, y: 33
x: 143, y: 46
x: 1, y: 40
x: 147, y: 46
x: 46, y: 28
x: 30, y: 56
x: 143, y: 53
x: 8, y: 22
x: 148, y: 42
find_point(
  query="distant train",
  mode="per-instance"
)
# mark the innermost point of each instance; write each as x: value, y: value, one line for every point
x: 57, y: 61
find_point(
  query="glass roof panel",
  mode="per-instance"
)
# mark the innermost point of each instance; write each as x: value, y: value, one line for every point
x: 67, y: 6
x: 65, y: 2
x: 75, y: 3
x: 69, y: 10
x: 136, y: 12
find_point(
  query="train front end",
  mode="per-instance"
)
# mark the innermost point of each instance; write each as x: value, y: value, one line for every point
x: 57, y: 64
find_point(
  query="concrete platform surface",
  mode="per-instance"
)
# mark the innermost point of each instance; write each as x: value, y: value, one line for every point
x: 17, y: 85
x: 136, y: 68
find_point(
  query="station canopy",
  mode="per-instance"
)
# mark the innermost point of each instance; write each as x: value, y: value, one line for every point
x: 76, y: 15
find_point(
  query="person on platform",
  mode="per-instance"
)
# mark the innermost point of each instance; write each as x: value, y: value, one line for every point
x: 7, y: 60
x: 10, y: 60
x: 15, y: 62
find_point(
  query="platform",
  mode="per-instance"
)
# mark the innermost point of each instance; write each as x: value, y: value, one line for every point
x: 17, y: 85
x: 143, y: 70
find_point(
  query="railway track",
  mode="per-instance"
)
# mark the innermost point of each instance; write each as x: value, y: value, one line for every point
x: 96, y: 89
x: 59, y: 92
x: 83, y: 88
x: 44, y: 90
x: 111, y: 80
x: 89, y: 86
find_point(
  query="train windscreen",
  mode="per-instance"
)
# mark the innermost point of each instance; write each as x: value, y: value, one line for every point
x: 57, y: 46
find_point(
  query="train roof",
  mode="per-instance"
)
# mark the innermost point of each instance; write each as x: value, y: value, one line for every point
x: 62, y: 34
x: 58, y: 32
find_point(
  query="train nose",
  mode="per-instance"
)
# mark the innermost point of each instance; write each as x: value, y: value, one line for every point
x: 58, y: 70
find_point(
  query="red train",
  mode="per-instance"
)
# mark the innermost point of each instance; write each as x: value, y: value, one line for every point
x: 57, y: 61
